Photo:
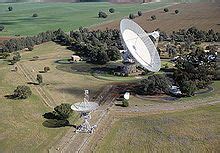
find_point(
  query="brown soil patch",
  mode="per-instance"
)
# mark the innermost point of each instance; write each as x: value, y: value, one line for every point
x: 204, y: 16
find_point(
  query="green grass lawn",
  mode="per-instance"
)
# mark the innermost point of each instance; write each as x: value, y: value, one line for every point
x: 194, y: 130
x: 68, y: 16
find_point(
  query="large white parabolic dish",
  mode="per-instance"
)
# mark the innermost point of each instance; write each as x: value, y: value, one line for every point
x: 84, y: 106
x: 139, y: 45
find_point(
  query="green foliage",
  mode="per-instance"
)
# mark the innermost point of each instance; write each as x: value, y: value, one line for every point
x: 131, y: 16
x: 139, y: 13
x: 125, y: 103
x: 176, y: 11
x: 35, y: 15
x: 22, y: 92
x: 39, y: 78
x: 63, y: 111
x: 166, y: 10
x: 2, y: 27
x: 10, y: 8
x: 97, y: 47
x: 153, y: 17
x: 188, y: 88
x: 102, y: 14
x: 113, y: 53
x: 46, y: 69
x: 112, y: 10
x: 198, y: 66
x: 17, y: 44
x: 155, y: 84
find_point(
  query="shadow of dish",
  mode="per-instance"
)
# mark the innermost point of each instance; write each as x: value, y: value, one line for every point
x: 54, y: 123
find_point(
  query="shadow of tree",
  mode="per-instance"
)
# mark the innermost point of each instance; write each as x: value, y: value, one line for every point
x: 34, y: 83
x: 10, y: 96
x: 54, y: 123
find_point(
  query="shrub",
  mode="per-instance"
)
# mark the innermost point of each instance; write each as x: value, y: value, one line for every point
x: 176, y: 11
x: 10, y: 8
x: 22, y: 92
x: 139, y: 13
x: 153, y: 17
x: 102, y: 14
x: 2, y: 27
x: 188, y: 88
x: 125, y: 103
x: 35, y: 15
x: 46, y: 69
x: 131, y: 16
x: 112, y: 10
x: 166, y: 10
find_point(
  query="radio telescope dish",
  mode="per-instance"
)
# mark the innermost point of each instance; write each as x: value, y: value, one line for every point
x: 85, y: 108
x: 139, y: 45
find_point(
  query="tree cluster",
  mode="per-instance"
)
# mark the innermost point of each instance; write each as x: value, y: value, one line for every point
x: 196, y: 67
x: 193, y: 35
x: 96, y: 47
x: 102, y: 14
x: 61, y: 113
x: 2, y: 27
x: 22, y: 92
x: 16, y: 44
x: 155, y: 84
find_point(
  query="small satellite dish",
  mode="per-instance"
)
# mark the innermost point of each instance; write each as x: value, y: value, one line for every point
x: 139, y: 45
x: 127, y: 95
x: 85, y: 108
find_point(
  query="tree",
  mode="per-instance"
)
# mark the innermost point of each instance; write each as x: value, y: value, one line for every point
x: 176, y: 11
x: 113, y: 53
x: 112, y: 10
x: 39, y: 78
x: 22, y: 92
x: 125, y: 103
x: 166, y: 10
x: 10, y: 8
x: 131, y: 16
x: 153, y: 17
x: 155, y: 84
x: 139, y: 13
x: 188, y: 88
x: 46, y: 69
x: 102, y: 14
x: 35, y: 15
x: 63, y: 111
x: 2, y: 27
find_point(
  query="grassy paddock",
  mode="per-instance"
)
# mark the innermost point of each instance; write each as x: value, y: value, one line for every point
x: 68, y: 16
x: 194, y: 130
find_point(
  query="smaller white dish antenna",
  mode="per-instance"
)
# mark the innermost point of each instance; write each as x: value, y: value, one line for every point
x: 139, y: 45
x: 85, y: 108
x: 127, y: 95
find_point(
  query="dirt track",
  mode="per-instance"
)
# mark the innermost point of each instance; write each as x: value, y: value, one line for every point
x: 205, y: 16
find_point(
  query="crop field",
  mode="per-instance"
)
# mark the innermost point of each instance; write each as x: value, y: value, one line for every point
x: 204, y: 16
x: 195, y: 130
x: 68, y: 16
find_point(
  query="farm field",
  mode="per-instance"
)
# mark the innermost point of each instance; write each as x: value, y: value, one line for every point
x: 204, y: 16
x: 68, y: 16
x: 195, y: 130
